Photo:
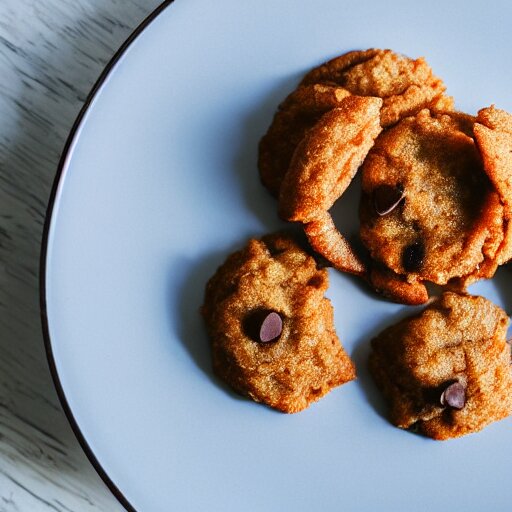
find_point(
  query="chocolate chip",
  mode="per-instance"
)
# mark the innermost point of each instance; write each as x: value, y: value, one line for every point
x: 386, y: 198
x: 271, y: 327
x: 454, y: 396
x: 316, y: 281
x: 262, y: 325
x: 412, y: 257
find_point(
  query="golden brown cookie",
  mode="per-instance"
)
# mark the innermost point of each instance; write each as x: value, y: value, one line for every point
x: 493, y: 135
x: 447, y: 371
x: 405, y: 85
x: 322, y: 167
x: 429, y: 211
x: 271, y: 328
x: 396, y: 287
x: 294, y: 117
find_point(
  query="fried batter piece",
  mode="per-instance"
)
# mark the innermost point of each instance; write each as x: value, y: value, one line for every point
x: 447, y: 220
x: 271, y: 328
x: 405, y: 85
x: 447, y: 371
x: 323, y: 165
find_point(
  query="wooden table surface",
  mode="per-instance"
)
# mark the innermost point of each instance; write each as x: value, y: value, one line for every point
x: 51, y: 53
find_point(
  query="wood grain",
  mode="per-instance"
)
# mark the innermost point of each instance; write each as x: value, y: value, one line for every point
x: 51, y: 53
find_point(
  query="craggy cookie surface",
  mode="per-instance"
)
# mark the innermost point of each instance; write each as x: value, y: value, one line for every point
x: 271, y: 328
x: 493, y: 135
x: 447, y: 371
x: 295, y: 116
x: 429, y: 212
x: 404, y: 85
x: 322, y: 167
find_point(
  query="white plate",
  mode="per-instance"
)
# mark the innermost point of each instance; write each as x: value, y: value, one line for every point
x: 157, y: 185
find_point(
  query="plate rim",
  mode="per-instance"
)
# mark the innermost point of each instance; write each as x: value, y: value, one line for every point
x: 52, y: 200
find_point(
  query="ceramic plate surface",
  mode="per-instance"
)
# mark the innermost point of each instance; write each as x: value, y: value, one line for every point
x: 158, y: 185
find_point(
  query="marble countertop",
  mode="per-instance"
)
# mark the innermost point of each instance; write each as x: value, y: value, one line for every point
x: 51, y: 53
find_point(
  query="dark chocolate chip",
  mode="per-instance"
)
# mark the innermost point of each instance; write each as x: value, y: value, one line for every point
x: 316, y: 281
x: 271, y: 327
x: 413, y: 256
x: 386, y: 198
x: 454, y: 396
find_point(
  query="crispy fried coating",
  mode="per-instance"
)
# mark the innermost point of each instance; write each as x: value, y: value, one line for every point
x: 457, y: 341
x: 307, y: 360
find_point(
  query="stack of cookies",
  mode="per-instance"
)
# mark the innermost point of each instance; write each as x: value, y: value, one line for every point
x: 437, y: 183
x: 436, y: 207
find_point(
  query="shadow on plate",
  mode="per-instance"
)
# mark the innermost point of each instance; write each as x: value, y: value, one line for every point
x: 360, y: 357
x: 245, y: 162
x: 264, y: 205
x: 190, y: 328
x: 191, y: 331
x: 260, y: 201
x: 503, y: 280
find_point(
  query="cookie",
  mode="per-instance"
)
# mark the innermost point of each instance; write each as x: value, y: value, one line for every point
x: 271, y: 328
x: 447, y: 371
x: 406, y: 85
x: 429, y: 211
x: 493, y: 136
x: 294, y: 117
x: 322, y: 167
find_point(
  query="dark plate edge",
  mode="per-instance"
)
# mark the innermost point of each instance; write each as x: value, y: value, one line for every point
x: 44, y: 249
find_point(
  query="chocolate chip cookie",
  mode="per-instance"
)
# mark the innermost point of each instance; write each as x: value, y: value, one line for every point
x: 271, y: 328
x: 493, y: 136
x: 323, y: 165
x: 429, y: 211
x: 405, y: 86
x: 446, y: 372
x: 294, y: 117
